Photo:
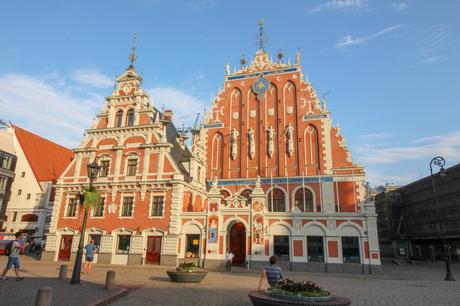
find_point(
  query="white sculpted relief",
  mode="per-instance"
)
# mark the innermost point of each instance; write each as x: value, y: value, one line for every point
x: 234, y: 143
x: 270, y: 140
x: 252, y: 143
x: 289, y: 139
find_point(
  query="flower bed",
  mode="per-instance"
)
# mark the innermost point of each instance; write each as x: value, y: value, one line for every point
x: 304, y: 290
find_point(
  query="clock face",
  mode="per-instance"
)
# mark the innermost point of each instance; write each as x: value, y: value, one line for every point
x: 260, y: 86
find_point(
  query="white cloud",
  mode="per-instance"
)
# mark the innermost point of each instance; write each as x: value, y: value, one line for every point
x: 348, y: 40
x: 181, y: 103
x: 376, y: 136
x: 378, y: 177
x: 91, y: 78
x: 36, y: 104
x: 339, y: 5
x: 399, y: 6
x: 433, y: 59
x: 420, y: 149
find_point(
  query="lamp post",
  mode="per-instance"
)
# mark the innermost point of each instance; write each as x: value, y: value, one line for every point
x: 440, y: 162
x: 93, y: 169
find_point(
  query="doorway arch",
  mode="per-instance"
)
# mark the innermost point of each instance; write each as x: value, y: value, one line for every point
x: 237, y: 243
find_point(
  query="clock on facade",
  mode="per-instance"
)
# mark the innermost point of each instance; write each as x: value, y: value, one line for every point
x: 260, y: 86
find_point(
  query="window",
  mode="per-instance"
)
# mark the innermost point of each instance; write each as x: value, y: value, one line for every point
x: 350, y: 249
x: 246, y: 194
x: 29, y: 218
x: 71, y: 208
x: 276, y: 200
x: 315, y: 248
x: 119, y: 119
x: 3, y: 181
x: 304, y: 199
x: 19, y: 191
x: 15, y: 215
x: 123, y: 244
x: 130, y: 118
x: 99, y: 210
x: 132, y: 167
x: 28, y: 196
x: 6, y: 162
x: 157, y: 206
x: 104, y: 170
x: 127, y: 207
x: 97, y: 239
x: 193, y: 246
x: 23, y: 174
x: 281, y: 247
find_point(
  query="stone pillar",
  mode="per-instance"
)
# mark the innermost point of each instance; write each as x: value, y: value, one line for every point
x: 105, y: 251
x: 372, y: 234
x: 136, y: 250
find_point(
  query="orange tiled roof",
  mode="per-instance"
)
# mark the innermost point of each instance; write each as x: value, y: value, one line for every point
x: 47, y: 159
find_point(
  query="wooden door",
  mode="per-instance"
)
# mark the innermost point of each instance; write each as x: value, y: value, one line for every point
x: 152, y: 255
x: 66, y: 247
x: 238, y: 243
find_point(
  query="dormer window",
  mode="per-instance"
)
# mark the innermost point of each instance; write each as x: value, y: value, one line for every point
x: 119, y: 119
x: 130, y: 118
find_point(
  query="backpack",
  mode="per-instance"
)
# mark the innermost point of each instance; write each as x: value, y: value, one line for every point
x: 8, y: 248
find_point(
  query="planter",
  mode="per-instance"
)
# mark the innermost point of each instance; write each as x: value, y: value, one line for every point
x: 261, y: 298
x: 186, y: 277
x: 301, y: 298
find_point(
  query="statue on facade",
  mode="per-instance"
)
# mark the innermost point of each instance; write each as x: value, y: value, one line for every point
x: 289, y: 139
x: 258, y: 183
x: 252, y: 143
x: 297, y: 57
x: 270, y: 140
x: 258, y: 230
x: 234, y: 143
x: 227, y: 69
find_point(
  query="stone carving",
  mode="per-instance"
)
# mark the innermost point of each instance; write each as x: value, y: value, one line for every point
x: 258, y: 184
x: 270, y: 141
x: 258, y: 206
x: 252, y: 143
x: 252, y: 113
x: 289, y: 139
x: 297, y: 223
x: 271, y: 112
x: 112, y: 208
x: 331, y: 224
x: 235, y: 115
x: 227, y: 69
x: 234, y: 143
x: 297, y: 57
x: 258, y: 229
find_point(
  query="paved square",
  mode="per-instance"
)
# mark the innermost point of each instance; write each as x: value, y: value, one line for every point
x: 420, y: 284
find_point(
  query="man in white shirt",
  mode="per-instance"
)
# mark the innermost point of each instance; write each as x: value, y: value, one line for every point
x: 228, y: 260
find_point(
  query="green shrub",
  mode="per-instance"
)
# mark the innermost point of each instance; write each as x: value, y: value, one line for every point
x: 186, y: 267
x: 291, y: 287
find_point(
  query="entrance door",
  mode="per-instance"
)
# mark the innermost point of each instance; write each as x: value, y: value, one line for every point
x: 238, y: 243
x: 65, y: 247
x: 152, y: 255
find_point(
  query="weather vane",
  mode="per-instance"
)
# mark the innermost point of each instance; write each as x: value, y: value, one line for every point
x: 261, y: 37
x: 132, y: 57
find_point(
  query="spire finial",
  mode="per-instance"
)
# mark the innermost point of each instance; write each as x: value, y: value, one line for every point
x: 132, y: 56
x: 261, y: 37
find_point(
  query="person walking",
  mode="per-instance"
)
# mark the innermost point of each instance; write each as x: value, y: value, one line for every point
x: 273, y: 273
x: 13, y: 258
x: 228, y: 260
x: 89, y: 248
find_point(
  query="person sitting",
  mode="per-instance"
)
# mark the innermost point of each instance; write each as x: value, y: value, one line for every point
x: 273, y: 273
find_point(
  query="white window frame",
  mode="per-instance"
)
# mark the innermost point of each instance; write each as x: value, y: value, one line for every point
x: 67, y: 202
x: 103, y: 210
x: 120, y: 209
x: 151, y: 205
x: 131, y: 156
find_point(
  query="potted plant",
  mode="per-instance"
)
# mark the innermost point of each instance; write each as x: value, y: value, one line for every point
x: 290, y: 292
x: 187, y: 272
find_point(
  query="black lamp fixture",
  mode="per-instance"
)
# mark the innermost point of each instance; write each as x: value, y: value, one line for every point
x: 93, y: 170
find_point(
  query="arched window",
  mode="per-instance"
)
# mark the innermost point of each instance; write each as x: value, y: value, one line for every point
x: 217, y: 164
x: 276, y: 200
x: 119, y: 119
x: 29, y: 218
x: 311, y: 145
x: 304, y: 199
x: 246, y: 194
x: 130, y: 118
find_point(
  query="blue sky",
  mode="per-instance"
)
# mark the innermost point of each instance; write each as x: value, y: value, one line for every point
x: 391, y: 67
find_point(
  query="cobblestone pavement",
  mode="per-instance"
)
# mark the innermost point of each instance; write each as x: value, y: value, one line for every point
x: 421, y: 284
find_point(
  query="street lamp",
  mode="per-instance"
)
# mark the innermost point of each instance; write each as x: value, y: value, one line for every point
x: 93, y: 170
x: 440, y: 162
